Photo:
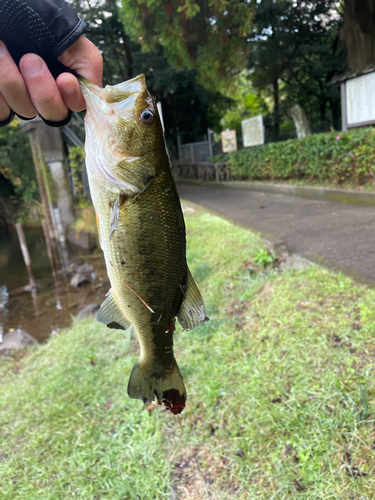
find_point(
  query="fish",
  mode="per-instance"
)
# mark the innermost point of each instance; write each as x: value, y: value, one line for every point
x: 142, y: 234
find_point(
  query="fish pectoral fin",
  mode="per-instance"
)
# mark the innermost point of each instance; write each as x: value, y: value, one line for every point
x: 110, y: 315
x: 192, y: 311
x: 115, y: 215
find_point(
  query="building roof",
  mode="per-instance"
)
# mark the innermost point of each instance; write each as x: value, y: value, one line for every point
x: 348, y: 75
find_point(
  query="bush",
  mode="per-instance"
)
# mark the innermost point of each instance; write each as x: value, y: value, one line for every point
x: 334, y: 156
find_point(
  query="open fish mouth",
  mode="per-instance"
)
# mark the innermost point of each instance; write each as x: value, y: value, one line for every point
x: 105, y: 108
x: 113, y: 99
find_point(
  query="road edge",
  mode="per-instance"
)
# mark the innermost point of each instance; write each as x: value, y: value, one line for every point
x: 366, y: 198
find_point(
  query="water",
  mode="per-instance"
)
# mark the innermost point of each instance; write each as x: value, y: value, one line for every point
x: 50, y: 306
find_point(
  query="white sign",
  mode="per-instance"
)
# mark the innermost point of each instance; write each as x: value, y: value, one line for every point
x: 360, y: 99
x: 253, y: 131
x: 228, y: 141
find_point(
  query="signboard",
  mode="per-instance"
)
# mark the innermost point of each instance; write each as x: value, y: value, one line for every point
x: 228, y: 141
x: 253, y: 131
x: 360, y: 99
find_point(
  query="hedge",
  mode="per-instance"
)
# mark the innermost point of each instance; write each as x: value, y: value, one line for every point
x: 333, y: 156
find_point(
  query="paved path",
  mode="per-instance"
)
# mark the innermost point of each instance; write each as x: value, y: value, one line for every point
x: 342, y: 234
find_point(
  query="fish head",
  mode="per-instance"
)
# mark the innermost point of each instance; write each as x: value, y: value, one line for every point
x: 123, y: 133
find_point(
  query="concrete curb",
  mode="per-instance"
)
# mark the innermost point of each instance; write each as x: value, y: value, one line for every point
x: 312, y: 192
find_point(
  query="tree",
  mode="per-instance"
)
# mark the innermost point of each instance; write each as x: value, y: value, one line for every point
x: 294, y: 52
x: 207, y: 36
x: 358, y: 32
x: 188, y: 108
x: 16, y: 163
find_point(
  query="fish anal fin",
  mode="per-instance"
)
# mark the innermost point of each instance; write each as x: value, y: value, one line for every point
x: 110, y: 315
x: 192, y: 311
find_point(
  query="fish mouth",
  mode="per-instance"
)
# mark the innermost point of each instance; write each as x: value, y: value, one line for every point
x: 105, y: 108
x: 113, y: 99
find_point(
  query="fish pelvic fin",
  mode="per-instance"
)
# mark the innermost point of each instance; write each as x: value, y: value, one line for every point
x: 163, y: 385
x: 192, y: 311
x: 110, y: 315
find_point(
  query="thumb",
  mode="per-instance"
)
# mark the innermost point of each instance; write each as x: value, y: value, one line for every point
x: 85, y: 58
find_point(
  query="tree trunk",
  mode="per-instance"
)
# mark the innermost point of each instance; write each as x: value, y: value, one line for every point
x: 129, y: 60
x: 358, y: 32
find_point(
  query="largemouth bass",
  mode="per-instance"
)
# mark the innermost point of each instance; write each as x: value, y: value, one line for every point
x: 142, y: 234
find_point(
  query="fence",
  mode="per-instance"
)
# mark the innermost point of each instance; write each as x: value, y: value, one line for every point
x: 195, y: 152
x: 203, y: 171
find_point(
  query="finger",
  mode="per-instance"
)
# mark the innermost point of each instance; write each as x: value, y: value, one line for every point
x: 70, y: 91
x: 12, y: 86
x: 4, y: 109
x: 42, y: 88
x: 85, y: 58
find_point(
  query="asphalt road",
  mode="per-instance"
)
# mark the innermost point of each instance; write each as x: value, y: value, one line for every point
x: 343, y: 235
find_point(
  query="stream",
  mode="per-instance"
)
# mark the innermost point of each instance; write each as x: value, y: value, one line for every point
x: 51, y: 305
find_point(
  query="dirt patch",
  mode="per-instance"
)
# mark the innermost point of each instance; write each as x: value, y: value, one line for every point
x: 199, y: 474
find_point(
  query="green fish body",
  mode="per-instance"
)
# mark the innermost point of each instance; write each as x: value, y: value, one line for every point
x: 142, y: 234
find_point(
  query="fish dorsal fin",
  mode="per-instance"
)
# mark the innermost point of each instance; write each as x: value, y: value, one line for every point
x: 192, y: 311
x: 110, y: 315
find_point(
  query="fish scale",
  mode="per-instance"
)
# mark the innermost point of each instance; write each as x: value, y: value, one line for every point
x: 142, y: 234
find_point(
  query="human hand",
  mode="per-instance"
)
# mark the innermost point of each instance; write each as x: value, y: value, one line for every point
x: 32, y: 90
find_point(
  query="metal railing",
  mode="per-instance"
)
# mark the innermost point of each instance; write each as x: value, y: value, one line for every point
x: 195, y: 152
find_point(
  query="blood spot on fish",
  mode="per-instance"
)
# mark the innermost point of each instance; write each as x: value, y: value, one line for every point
x: 111, y: 263
x: 173, y: 401
x: 123, y: 199
x: 122, y: 262
x: 152, y: 272
x: 171, y: 327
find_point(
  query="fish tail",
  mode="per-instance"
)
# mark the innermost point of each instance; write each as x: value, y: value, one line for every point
x: 166, y: 386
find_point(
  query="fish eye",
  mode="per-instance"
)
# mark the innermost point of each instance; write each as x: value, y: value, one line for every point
x: 146, y: 116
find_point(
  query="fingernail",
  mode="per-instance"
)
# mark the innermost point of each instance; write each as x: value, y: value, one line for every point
x: 32, y: 66
x: 2, y: 48
x: 69, y: 88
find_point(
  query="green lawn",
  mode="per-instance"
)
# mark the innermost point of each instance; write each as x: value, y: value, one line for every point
x: 280, y: 393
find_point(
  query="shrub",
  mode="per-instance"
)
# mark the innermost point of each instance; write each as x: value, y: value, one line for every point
x: 334, y: 156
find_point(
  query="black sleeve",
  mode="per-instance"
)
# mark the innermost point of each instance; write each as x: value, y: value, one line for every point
x: 43, y: 27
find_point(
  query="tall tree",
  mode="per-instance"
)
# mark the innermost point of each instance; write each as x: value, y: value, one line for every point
x: 358, y: 32
x: 294, y: 54
x: 209, y: 36
x: 188, y: 108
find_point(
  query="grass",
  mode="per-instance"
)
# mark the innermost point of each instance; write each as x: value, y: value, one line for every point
x: 280, y: 385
